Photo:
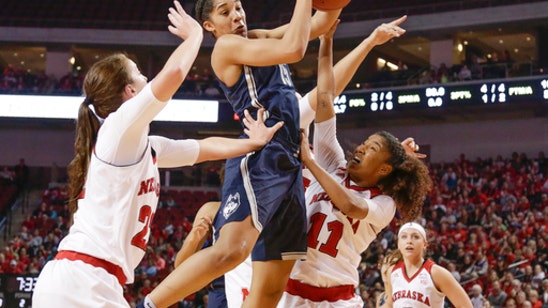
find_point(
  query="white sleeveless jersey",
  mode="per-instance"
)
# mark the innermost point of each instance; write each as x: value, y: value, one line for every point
x: 418, y: 291
x: 116, y: 198
x: 238, y: 283
x: 335, y: 241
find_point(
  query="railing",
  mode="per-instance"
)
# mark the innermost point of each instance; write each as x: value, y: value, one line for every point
x: 405, y: 8
x: 135, y: 22
x: 390, y: 79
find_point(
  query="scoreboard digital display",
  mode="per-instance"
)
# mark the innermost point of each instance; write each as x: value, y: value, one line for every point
x: 16, y: 290
x: 481, y: 92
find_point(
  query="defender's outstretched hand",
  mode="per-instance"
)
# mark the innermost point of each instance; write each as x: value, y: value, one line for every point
x: 182, y: 24
x: 411, y: 148
x: 257, y: 131
x: 388, y: 31
x: 306, y: 154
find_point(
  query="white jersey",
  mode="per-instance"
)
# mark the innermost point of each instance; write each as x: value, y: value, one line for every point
x: 418, y: 291
x: 238, y: 283
x: 115, y: 199
x: 335, y: 241
x: 112, y: 223
x: 113, y: 218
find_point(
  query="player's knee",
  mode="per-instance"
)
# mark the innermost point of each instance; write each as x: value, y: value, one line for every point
x: 233, y: 255
x: 274, y: 291
x: 265, y: 297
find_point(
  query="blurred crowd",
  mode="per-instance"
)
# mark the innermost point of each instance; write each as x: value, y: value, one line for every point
x: 16, y: 80
x: 202, y: 84
x: 486, y: 219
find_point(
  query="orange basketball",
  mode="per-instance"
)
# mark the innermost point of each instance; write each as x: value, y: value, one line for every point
x: 327, y: 5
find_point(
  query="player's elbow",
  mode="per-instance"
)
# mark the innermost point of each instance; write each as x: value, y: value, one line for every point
x: 325, y: 98
x: 295, y: 52
x: 175, y: 73
x: 356, y: 210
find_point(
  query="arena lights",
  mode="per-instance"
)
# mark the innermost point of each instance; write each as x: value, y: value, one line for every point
x: 66, y: 107
x: 544, y: 84
x: 481, y: 92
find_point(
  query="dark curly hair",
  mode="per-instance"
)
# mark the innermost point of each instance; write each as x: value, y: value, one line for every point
x: 408, y: 183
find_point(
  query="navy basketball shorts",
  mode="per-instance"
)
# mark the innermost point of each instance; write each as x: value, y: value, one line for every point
x: 216, y: 294
x: 267, y: 185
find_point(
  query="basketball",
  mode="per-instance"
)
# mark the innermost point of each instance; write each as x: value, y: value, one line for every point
x: 328, y: 5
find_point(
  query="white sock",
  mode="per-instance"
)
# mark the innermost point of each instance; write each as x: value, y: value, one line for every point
x: 148, y: 303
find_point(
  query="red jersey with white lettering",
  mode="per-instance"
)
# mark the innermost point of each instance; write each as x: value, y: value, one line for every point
x: 335, y: 241
x: 416, y: 291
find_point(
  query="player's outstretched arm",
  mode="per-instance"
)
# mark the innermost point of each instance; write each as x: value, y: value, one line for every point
x: 345, y: 200
x: 215, y: 148
x: 347, y: 67
x: 320, y: 23
x: 169, y: 79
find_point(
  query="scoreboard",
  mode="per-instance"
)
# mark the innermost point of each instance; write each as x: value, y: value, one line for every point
x: 482, y: 92
x: 16, y: 290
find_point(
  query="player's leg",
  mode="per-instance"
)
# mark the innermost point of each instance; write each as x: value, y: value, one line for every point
x: 282, y: 242
x: 234, y: 244
x: 268, y: 282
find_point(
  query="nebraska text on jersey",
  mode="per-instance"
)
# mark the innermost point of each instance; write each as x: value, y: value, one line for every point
x: 149, y: 185
x: 414, y: 295
x: 416, y: 291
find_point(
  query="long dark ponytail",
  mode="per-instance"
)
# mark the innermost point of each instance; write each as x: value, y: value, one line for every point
x: 103, y: 86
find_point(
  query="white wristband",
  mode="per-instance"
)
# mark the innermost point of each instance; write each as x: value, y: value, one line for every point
x: 148, y: 303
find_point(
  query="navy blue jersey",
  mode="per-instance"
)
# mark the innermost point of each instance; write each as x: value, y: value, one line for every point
x: 267, y: 184
x: 271, y: 88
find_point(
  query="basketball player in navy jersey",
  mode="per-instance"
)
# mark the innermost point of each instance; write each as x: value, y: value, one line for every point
x: 114, y: 176
x: 262, y: 211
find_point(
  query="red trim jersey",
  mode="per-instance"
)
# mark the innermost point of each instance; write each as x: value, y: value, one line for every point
x: 336, y: 241
x: 417, y: 291
x: 115, y: 201
x: 122, y: 187
x: 112, y: 223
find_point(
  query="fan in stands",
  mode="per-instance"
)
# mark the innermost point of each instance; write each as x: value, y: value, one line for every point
x: 327, y: 5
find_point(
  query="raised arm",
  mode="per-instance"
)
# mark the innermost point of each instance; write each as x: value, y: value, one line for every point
x: 345, y: 69
x: 214, y: 148
x: 288, y: 49
x: 326, y: 77
x: 341, y: 197
x: 320, y: 23
x: 169, y: 79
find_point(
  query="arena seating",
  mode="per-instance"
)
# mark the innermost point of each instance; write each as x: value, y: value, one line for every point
x: 475, y: 208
